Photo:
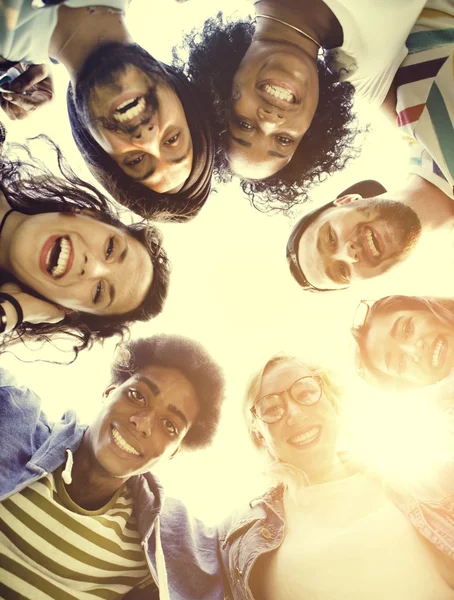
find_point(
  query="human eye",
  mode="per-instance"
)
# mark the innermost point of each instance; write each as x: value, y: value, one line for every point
x: 134, y: 161
x: 407, y: 329
x: 344, y: 273
x: 98, y: 292
x: 110, y: 246
x: 331, y: 236
x: 136, y: 395
x: 170, y: 427
x: 173, y: 140
x: 244, y: 125
x: 284, y: 140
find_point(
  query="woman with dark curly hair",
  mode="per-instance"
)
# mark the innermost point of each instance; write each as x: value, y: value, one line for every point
x: 68, y: 265
x: 405, y: 342
x: 282, y: 87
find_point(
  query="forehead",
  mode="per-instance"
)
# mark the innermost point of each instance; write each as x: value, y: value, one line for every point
x: 137, y: 277
x: 282, y: 375
x: 171, y: 386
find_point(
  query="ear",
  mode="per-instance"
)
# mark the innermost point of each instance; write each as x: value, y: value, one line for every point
x: 347, y: 199
x: 109, y: 390
x: 258, y: 437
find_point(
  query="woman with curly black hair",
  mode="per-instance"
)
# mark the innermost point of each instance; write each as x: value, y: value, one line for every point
x: 282, y: 88
x: 68, y: 265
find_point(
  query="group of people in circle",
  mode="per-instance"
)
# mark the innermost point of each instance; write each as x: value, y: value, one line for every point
x: 270, y: 102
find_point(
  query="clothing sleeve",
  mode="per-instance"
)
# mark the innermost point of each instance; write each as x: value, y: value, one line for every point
x: 22, y: 425
x: 191, y: 556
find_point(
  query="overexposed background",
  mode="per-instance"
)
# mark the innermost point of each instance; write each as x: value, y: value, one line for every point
x: 232, y: 291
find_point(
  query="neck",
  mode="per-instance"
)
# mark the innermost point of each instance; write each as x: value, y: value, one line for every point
x: 80, y: 31
x: 313, y: 17
x: 434, y: 208
x: 91, y: 487
x: 334, y: 471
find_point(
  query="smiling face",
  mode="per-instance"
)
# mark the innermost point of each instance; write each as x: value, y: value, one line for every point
x: 306, y: 435
x: 143, y: 420
x: 413, y: 346
x: 80, y: 263
x: 356, y: 239
x: 140, y: 122
x: 274, y: 99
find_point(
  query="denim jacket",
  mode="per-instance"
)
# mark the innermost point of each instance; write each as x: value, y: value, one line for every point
x: 181, y: 552
x: 259, y: 529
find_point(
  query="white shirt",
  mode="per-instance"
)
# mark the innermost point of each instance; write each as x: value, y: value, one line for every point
x: 25, y: 31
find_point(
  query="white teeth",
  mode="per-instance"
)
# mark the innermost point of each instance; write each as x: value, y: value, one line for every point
x: 131, y: 113
x: 371, y: 243
x: 436, y: 353
x: 122, y: 443
x: 278, y: 92
x: 305, y: 438
x: 63, y: 257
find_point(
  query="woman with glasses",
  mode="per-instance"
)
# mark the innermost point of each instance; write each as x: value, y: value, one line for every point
x: 405, y: 341
x: 329, y: 530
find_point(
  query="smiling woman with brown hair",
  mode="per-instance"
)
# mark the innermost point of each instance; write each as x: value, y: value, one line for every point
x: 65, y: 257
x: 405, y: 342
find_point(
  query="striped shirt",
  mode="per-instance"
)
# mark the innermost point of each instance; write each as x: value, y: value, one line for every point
x: 425, y: 93
x: 52, y: 548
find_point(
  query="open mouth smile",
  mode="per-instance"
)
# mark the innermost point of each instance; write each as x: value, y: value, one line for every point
x: 371, y: 245
x: 438, y: 352
x: 306, y: 437
x: 122, y: 443
x: 277, y: 94
x: 57, y: 256
x: 130, y: 109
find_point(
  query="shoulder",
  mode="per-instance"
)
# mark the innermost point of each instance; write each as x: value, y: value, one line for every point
x: 116, y: 4
x: 17, y: 403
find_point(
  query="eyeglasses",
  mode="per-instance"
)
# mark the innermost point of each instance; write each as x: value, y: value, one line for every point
x: 306, y: 391
x: 359, y: 321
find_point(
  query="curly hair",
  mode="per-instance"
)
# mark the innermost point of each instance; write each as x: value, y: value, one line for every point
x: 441, y: 308
x: 31, y: 188
x: 213, y: 57
x: 189, y: 357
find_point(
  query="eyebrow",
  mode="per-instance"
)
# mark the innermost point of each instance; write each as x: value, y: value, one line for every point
x: 121, y: 259
x: 155, y: 390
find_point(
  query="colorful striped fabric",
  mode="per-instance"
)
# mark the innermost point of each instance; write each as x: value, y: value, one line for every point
x: 425, y: 94
x: 51, y: 549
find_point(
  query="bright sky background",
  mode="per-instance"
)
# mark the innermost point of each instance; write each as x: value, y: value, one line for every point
x: 232, y: 291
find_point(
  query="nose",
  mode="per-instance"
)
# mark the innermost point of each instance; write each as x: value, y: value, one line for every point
x: 348, y: 252
x: 414, y: 350
x: 295, y: 412
x: 146, y: 139
x: 94, y: 268
x: 269, y: 119
x: 142, y: 422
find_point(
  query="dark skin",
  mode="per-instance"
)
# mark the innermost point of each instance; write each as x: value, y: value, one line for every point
x: 152, y: 412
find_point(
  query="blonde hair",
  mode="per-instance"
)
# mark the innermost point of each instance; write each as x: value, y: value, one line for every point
x: 332, y: 388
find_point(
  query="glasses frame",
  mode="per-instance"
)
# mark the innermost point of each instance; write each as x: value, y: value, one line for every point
x: 316, y: 378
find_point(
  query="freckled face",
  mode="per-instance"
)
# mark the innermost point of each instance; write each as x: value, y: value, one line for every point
x: 274, y: 99
x: 81, y: 263
x: 413, y: 346
x: 305, y: 436
x: 143, y: 420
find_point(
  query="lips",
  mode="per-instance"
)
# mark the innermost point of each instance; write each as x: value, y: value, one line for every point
x: 122, y: 444
x: 57, y: 256
x: 128, y: 107
x: 278, y: 93
x: 438, y: 353
x: 306, y: 437
x: 372, y: 244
